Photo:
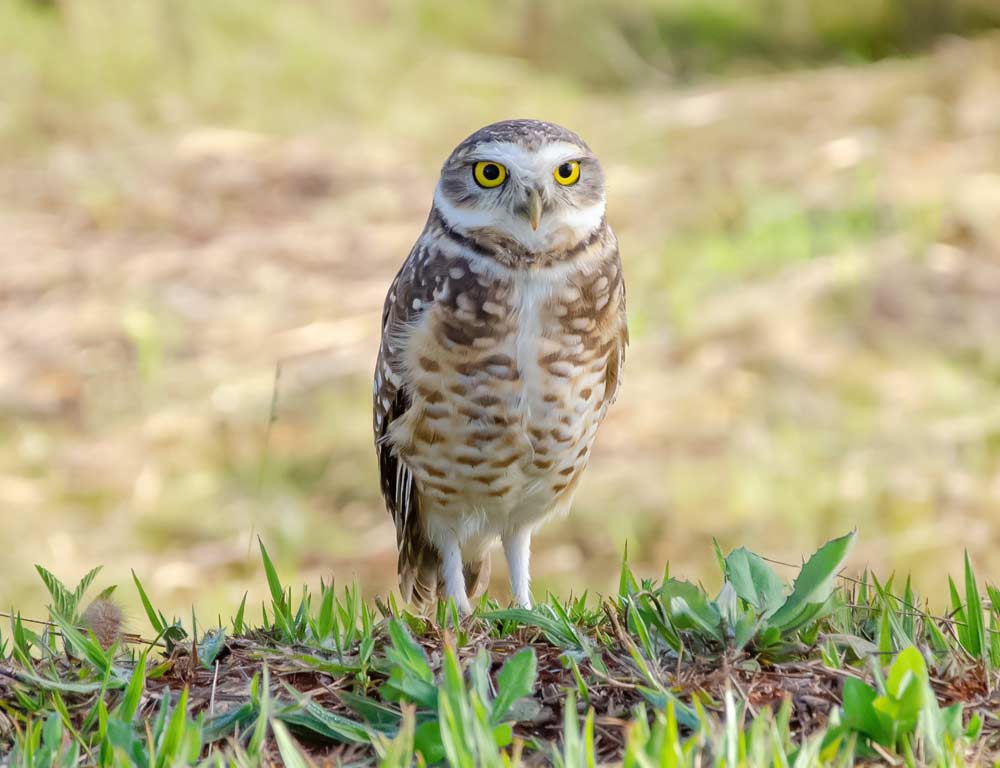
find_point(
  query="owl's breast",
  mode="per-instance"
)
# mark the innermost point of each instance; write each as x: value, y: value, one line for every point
x: 507, y: 387
x: 564, y: 360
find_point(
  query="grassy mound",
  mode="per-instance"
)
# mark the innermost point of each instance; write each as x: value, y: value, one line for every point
x: 828, y: 671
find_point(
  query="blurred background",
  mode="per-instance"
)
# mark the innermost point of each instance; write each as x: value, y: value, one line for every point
x: 807, y: 196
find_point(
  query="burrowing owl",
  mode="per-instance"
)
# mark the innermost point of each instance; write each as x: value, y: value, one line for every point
x: 503, y: 337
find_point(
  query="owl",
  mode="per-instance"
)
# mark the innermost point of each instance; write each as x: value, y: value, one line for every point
x: 503, y: 338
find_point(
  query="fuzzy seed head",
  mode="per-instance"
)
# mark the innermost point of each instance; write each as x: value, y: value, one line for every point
x: 105, y: 619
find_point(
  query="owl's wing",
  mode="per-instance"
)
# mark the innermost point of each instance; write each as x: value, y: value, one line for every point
x: 411, y: 294
x: 616, y: 358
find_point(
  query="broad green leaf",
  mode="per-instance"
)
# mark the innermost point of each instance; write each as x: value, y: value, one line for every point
x: 503, y: 735
x: 478, y: 673
x: 210, y: 646
x: 974, y: 730
x: 319, y: 720
x: 814, y: 585
x: 405, y: 687
x: 951, y: 719
x: 858, y: 712
x: 754, y: 581
x: 745, y: 630
x: 906, y: 687
x: 427, y: 741
x: 908, y: 662
x: 768, y: 637
x: 515, y: 680
x: 408, y: 651
x: 410, y: 676
x: 691, y: 609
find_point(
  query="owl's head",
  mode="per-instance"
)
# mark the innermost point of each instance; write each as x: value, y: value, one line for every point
x: 532, y: 182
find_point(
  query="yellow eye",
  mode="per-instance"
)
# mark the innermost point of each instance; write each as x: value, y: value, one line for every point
x: 568, y: 173
x: 489, y: 174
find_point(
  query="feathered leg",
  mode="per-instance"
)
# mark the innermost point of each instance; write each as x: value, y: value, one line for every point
x: 452, y: 572
x: 517, y: 548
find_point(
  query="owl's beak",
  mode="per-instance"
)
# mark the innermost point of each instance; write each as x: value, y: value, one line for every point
x: 534, y: 208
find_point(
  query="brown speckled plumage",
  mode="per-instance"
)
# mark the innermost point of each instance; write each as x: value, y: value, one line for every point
x: 501, y: 350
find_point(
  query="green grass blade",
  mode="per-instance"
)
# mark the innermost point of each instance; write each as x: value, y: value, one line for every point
x: 133, y: 692
x: 291, y: 756
x: 156, y: 621
x: 977, y: 647
x: 238, y: 619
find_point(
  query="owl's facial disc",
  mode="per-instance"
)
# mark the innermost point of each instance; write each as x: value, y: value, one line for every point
x: 543, y: 198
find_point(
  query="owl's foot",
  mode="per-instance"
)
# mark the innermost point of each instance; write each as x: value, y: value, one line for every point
x: 462, y: 604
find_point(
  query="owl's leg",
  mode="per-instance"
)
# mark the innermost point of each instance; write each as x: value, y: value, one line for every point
x: 452, y: 571
x: 517, y: 548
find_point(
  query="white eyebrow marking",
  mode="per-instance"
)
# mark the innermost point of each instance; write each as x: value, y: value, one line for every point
x: 527, y: 163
